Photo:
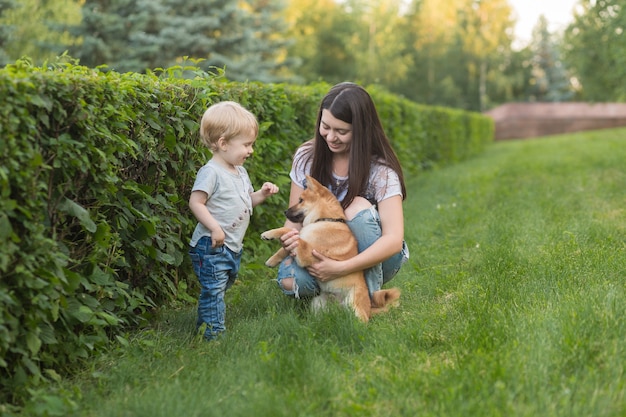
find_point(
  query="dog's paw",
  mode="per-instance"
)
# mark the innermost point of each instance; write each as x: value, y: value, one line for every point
x: 265, y: 236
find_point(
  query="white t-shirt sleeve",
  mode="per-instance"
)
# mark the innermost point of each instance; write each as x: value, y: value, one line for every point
x: 385, y: 182
x: 299, y: 169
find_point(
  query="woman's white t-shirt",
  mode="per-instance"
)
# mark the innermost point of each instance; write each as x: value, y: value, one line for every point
x: 383, y: 181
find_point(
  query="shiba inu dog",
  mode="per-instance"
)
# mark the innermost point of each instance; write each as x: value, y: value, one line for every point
x: 324, y: 229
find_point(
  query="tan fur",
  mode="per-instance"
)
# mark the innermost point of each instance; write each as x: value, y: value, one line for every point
x: 334, y: 240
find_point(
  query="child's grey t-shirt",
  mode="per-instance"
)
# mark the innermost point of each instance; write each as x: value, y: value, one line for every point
x: 228, y: 201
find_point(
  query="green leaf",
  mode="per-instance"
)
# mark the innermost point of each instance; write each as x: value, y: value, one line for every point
x: 31, y: 365
x: 100, y: 277
x: 102, y: 236
x: 40, y: 101
x: 47, y: 334
x: 109, y: 318
x: 122, y: 340
x: 33, y: 342
x: 170, y: 138
x: 73, y: 280
x: 5, y: 227
x: 54, y: 375
x: 164, y: 257
x: 74, y: 209
x: 83, y: 314
x: 153, y: 124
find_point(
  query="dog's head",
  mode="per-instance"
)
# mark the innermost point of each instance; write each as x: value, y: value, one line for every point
x: 316, y: 202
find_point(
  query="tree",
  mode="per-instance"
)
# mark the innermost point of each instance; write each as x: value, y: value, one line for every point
x: 379, y: 42
x: 135, y: 35
x: 36, y: 29
x: 264, y: 53
x: 437, y: 67
x: 486, y: 34
x: 511, y: 81
x: 595, y: 44
x: 460, y: 51
x: 105, y: 31
x: 5, y: 30
x: 550, y: 81
x: 454, y: 53
x: 321, y: 31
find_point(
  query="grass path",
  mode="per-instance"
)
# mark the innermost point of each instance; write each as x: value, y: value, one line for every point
x: 513, y: 305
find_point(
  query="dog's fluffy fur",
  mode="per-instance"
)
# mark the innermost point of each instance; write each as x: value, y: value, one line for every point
x: 324, y: 229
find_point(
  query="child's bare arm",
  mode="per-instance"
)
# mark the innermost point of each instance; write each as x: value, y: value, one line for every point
x: 197, y: 204
x: 265, y: 191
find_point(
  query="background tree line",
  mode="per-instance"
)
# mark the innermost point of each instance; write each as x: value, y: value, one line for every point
x: 457, y: 53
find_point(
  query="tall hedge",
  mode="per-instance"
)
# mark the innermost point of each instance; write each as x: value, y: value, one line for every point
x: 95, y: 173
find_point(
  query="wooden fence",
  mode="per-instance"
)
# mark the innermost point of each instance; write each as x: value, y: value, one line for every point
x: 525, y: 120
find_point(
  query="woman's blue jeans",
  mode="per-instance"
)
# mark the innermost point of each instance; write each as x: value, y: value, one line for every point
x: 216, y: 269
x: 366, y: 228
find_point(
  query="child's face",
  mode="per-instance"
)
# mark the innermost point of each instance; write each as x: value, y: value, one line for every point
x: 238, y: 149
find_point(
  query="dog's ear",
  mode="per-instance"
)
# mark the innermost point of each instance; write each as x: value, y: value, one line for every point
x: 311, y: 182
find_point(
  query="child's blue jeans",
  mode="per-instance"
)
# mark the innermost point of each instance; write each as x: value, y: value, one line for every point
x: 217, y: 270
x: 366, y: 228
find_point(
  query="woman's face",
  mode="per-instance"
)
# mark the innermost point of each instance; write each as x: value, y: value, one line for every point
x: 337, y: 133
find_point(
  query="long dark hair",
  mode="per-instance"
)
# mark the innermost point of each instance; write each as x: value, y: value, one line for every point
x: 352, y: 104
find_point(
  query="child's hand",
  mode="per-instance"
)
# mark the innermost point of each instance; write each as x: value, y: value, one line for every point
x: 217, y: 238
x: 269, y: 189
x: 262, y: 193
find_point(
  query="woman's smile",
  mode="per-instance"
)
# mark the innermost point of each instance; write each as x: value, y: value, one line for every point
x: 336, y: 132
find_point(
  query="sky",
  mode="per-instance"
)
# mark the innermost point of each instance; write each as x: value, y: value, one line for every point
x: 558, y: 12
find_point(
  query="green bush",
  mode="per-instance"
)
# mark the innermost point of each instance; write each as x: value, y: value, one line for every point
x: 95, y: 172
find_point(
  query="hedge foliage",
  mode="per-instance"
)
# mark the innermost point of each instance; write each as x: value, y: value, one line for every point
x: 95, y: 173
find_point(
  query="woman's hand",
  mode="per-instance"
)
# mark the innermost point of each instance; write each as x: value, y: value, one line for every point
x: 290, y: 241
x: 326, y: 269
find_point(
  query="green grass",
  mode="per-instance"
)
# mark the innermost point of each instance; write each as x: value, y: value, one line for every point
x: 513, y: 304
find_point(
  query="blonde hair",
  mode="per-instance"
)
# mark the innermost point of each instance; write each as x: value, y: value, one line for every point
x: 226, y: 119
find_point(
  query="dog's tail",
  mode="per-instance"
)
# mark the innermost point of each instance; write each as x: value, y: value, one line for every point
x: 382, y: 300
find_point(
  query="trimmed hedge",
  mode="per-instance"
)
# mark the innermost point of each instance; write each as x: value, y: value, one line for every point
x: 95, y: 173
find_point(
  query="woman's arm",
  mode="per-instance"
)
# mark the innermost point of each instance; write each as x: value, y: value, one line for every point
x: 389, y: 244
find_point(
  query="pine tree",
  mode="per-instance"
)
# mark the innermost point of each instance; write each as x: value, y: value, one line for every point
x: 550, y: 81
x: 106, y: 30
x: 205, y: 29
x: 135, y: 35
x: 263, y: 54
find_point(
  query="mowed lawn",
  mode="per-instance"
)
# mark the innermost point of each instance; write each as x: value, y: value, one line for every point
x: 513, y: 304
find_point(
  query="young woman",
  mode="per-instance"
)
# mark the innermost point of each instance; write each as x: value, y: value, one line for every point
x: 352, y: 156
